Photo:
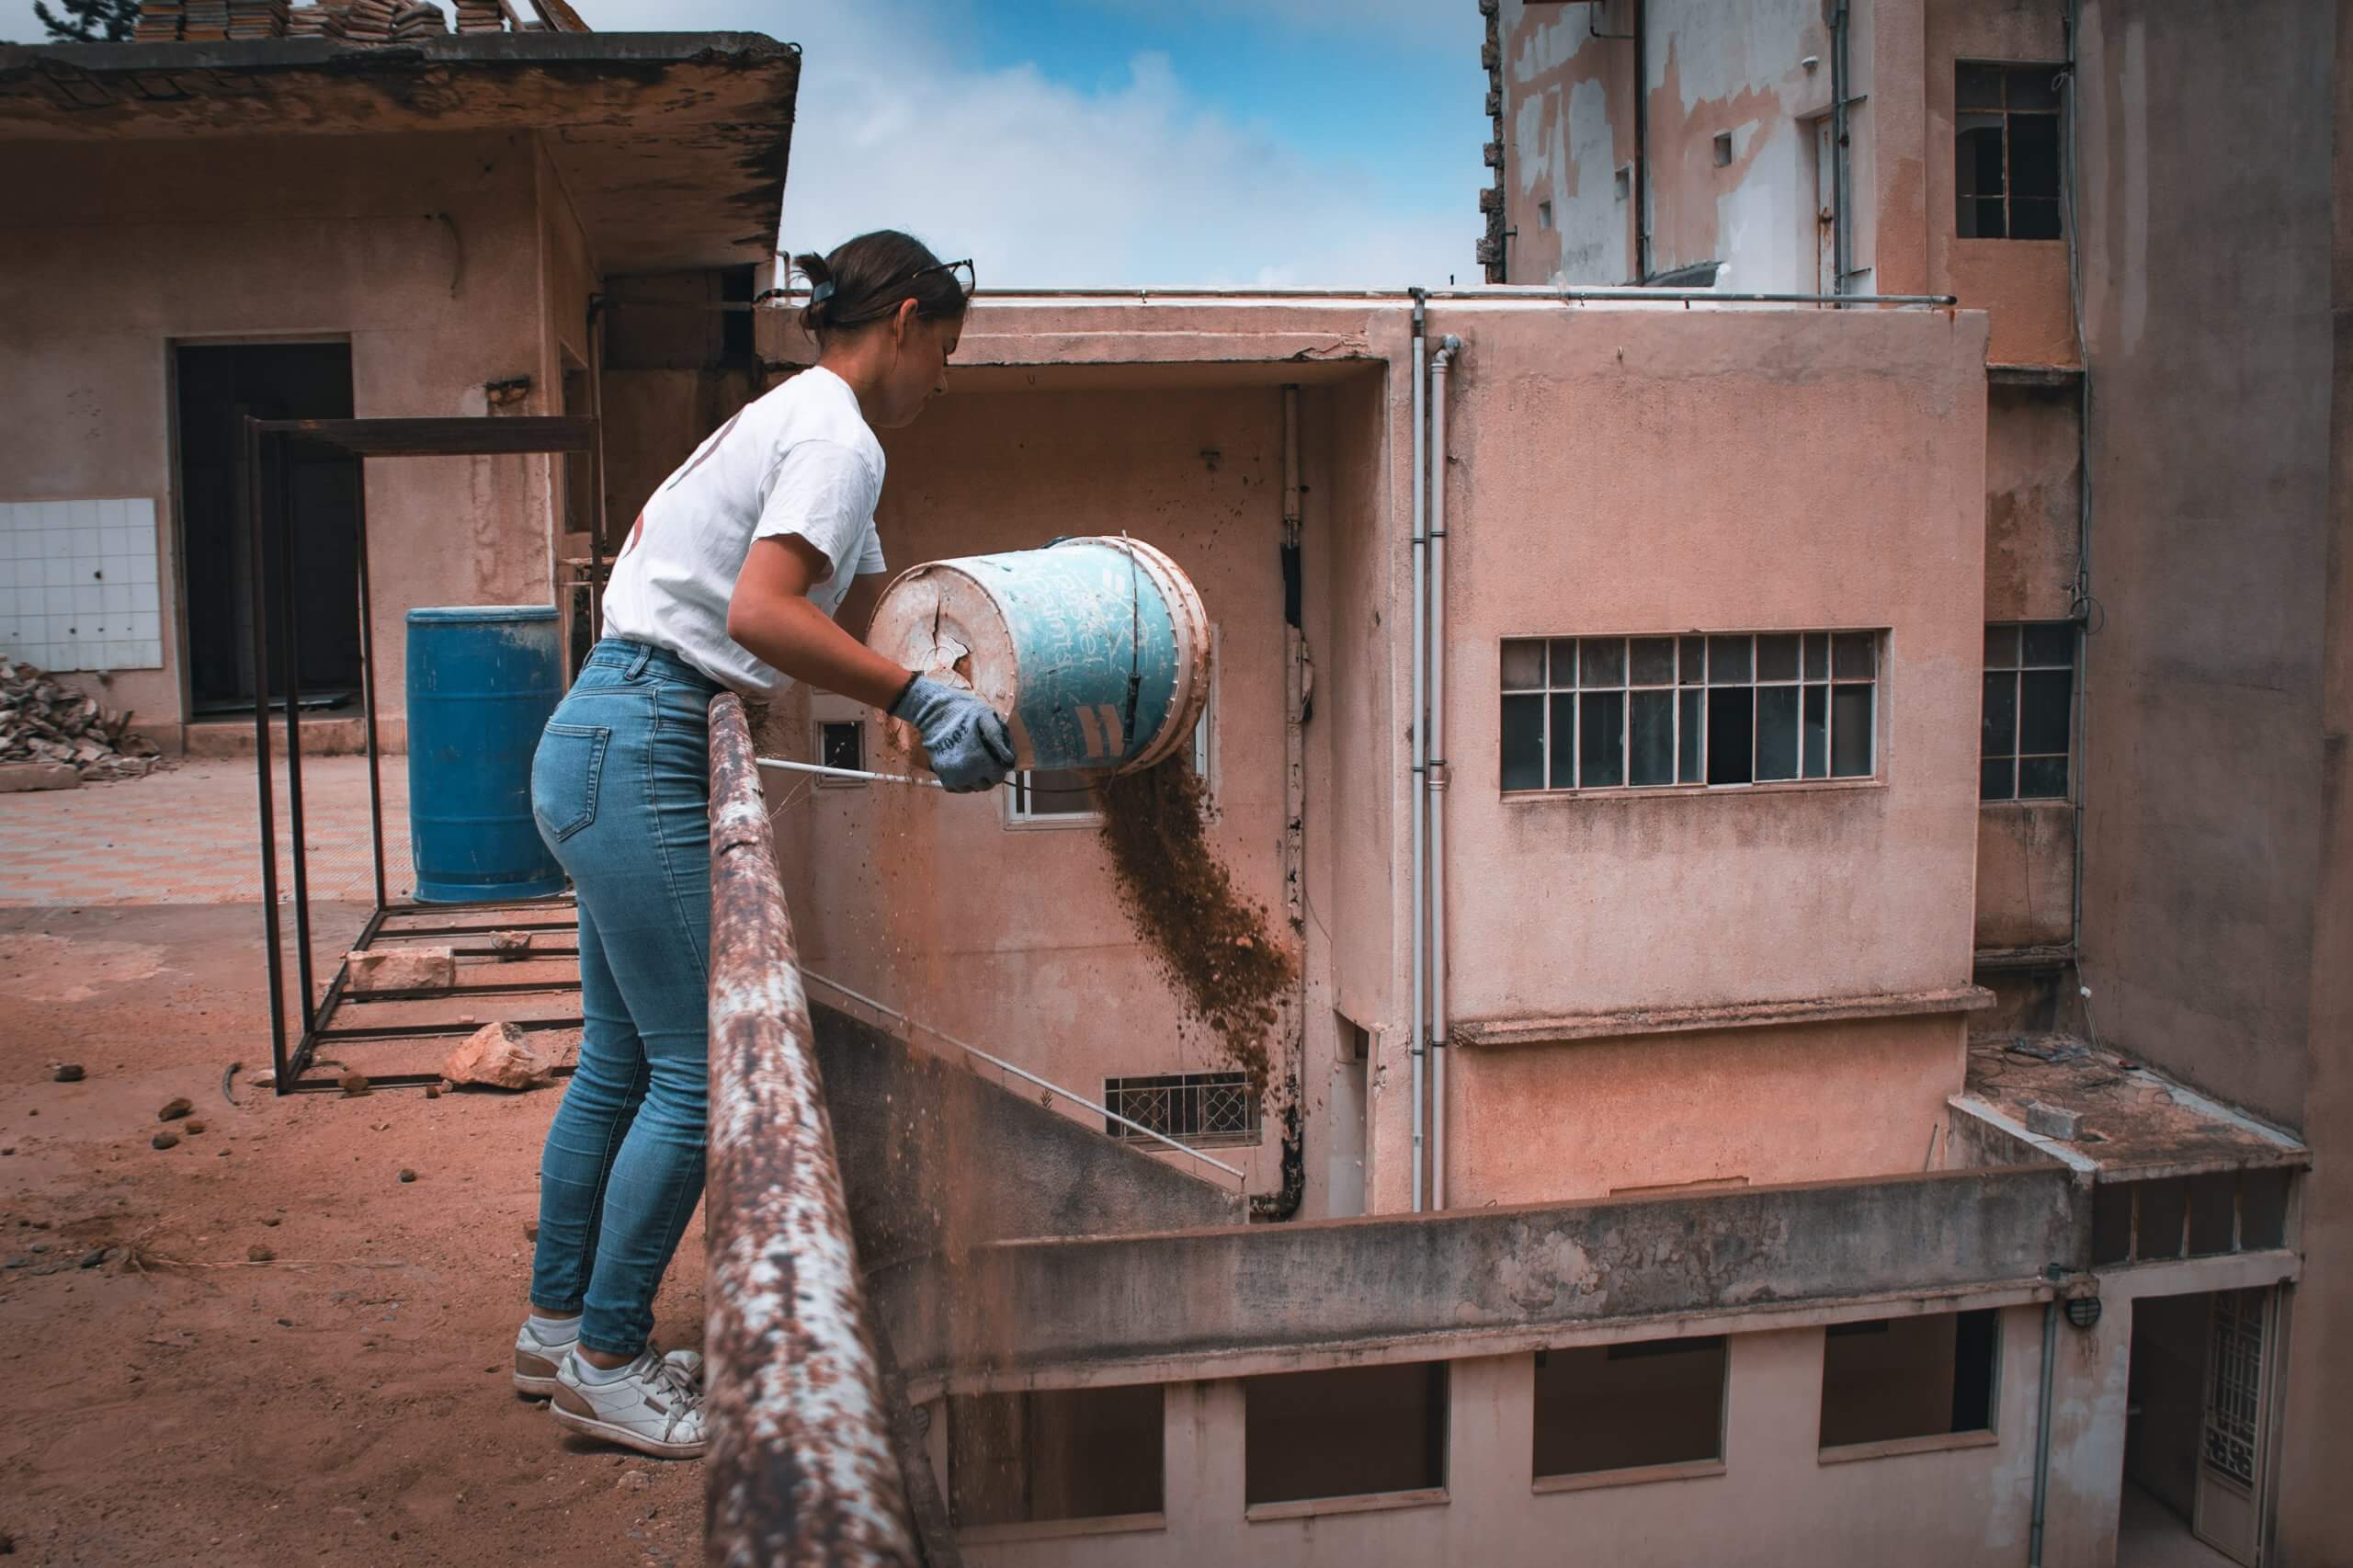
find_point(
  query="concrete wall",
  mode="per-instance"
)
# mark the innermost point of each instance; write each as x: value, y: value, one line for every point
x: 2213, y: 536
x: 1654, y: 471
x: 1569, y: 127
x: 2215, y: 845
x: 1711, y: 67
x: 1590, y: 1118
x: 431, y: 255
x: 912, y: 1129
x: 2026, y: 874
x: 2022, y: 283
x: 1013, y: 936
x: 1772, y: 1501
x: 1270, y: 1297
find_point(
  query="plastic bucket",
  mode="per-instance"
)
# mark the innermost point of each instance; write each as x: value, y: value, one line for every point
x: 1096, y: 650
x: 481, y: 681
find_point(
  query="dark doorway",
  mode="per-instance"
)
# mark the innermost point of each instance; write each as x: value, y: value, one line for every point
x: 218, y: 386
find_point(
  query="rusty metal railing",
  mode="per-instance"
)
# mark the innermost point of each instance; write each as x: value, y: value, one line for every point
x: 801, y: 1468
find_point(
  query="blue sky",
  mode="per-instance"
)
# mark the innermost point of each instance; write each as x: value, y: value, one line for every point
x: 1126, y: 142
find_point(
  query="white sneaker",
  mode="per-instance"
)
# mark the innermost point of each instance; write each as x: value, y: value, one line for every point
x: 536, y: 1359
x: 654, y: 1406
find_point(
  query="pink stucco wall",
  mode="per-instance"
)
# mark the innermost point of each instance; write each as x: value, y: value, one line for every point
x: 1775, y: 1503
x: 1012, y: 937
x: 118, y: 251
x: 1610, y: 470
x: 1660, y: 472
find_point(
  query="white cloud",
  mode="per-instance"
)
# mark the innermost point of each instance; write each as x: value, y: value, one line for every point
x: 1044, y: 184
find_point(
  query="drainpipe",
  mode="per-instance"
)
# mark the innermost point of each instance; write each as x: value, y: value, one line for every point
x: 1842, y: 227
x: 1435, y: 775
x: 1642, y: 149
x: 1418, y: 774
x: 2042, y: 1435
x: 1284, y: 1203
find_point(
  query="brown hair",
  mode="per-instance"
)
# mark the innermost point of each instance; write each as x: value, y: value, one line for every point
x: 864, y: 280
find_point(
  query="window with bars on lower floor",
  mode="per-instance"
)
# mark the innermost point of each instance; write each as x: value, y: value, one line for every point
x: 1192, y: 1107
x: 1725, y: 708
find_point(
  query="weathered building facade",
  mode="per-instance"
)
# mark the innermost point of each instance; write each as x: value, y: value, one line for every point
x: 2099, y: 178
x: 307, y: 228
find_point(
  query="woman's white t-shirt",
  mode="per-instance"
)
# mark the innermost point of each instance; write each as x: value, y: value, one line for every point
x: 798, y: 461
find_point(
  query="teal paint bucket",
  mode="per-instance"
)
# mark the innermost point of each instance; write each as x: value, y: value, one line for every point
x: 1096, y: 650
x: 481, y: 681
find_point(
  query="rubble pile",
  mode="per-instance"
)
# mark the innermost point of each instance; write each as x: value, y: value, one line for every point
x: 42, y: 719
x: 419, y: 21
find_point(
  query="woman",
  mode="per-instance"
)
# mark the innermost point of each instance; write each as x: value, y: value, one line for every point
x: 729, y: 580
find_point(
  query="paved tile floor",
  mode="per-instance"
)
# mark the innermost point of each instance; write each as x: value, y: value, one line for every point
x: 189, y: 834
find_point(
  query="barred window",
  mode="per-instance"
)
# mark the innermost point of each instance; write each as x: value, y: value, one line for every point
x: 1192, y: 1107
x: 1742, y: 708
x: 2029, y: 710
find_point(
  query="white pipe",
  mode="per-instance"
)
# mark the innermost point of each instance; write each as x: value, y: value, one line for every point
x: 1435, y: 775
x: 1421, y: 743
x: 792, y: 767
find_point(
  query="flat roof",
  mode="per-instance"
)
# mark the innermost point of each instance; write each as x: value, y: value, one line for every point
x: 674, y: 146
x: 2136, y: 1123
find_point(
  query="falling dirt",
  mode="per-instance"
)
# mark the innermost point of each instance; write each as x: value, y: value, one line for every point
x: 1229, y: 970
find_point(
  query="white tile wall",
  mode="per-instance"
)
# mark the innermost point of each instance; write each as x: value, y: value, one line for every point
x: 77, y: 585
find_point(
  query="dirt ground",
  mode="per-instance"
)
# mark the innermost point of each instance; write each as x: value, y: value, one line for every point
x: 344, y: 1401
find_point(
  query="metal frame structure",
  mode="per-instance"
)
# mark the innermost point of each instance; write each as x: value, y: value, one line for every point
x: 262, y: 470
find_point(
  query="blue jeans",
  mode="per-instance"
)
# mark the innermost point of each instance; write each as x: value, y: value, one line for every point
x: 621, y: 789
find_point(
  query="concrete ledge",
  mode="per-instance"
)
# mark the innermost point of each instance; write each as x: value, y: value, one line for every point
x: 1892, y: 1447
x: 1363, y: 1503
x: 338, y: 736
x: 1480, y: 1281
x: 1729, y: 1016
x: 1637, y: 1475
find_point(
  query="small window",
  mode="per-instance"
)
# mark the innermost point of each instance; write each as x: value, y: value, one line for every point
x: 1649, y: 713
x: 1017, y: 1459
x: 841, y: 742
x: 1890, y: 1379
x: 1544, y: 215
x: 1632, y: 1406
x: 1723, y: 149
x: 2027, y: 722
x: 1192, y: 1107
x: 1049, y: 794
x: 1350, y: 1432
x: 2005, y: 150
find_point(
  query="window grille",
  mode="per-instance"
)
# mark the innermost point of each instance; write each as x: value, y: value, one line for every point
x: 2029, y: 713
x: 1615, y: 712
x: 1192, y: 1107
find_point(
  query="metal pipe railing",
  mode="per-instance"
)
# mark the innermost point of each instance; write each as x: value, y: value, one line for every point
x: 801, y: 1468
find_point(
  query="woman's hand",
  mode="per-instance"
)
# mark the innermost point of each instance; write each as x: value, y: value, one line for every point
x: 964, y: 737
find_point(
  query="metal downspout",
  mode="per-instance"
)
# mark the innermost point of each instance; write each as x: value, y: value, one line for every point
x: 1642, y: 147
x: 1436, y: 773
x: 1842, y: 222
x: 1418, y: 776
x: 2042, y: 1435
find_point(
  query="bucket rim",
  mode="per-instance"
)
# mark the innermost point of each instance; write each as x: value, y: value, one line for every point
x: 448, y: 614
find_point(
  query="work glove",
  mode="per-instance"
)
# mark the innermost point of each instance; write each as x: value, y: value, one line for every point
x: 967, y: 741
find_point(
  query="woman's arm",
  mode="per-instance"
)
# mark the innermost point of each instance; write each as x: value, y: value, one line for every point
x: 771, y: 614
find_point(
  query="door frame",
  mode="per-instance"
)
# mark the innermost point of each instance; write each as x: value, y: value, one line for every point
x: 179, y: 609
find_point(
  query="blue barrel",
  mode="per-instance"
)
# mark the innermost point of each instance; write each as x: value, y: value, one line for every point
x: 481, y: 681
x: 1096, y: 650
